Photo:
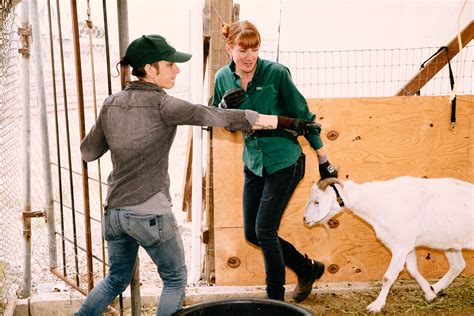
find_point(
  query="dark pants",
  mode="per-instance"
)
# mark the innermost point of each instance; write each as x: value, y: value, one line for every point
x: 265, y: 199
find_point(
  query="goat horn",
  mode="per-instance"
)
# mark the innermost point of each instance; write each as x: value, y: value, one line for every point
x: 323, y: 184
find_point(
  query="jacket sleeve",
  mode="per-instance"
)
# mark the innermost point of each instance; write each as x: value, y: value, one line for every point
x: 296, y: 105
x: 175, y: 111
x: 94, y: 145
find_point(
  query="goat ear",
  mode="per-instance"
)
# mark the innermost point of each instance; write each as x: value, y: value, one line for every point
x: 323, y: 184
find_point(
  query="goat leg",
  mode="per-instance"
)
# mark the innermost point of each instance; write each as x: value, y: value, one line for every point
x: 456, y: 265
x: 394, y: 268
x: 412, y: 268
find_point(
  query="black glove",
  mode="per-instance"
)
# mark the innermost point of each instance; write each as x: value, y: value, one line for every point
x: 294, y: 126
x: 326, y: 170
x: 233, y: 99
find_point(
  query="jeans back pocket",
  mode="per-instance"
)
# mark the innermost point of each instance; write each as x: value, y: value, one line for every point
x: 146, y: 229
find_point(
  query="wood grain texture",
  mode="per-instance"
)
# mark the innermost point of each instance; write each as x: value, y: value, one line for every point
x: 379, y: 138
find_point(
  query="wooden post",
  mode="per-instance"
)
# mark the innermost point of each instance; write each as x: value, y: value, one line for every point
x: 437, y: 63
x: 221, y: 11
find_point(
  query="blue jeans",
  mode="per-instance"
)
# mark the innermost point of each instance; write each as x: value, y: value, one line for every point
x: 124, y: 231
x: 265, y: 199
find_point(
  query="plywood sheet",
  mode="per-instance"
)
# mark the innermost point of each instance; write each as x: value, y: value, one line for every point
x: 378, y: 138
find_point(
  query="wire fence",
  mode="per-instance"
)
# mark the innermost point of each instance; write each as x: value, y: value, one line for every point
x: 322, y: 74
x: 371, y: 72
x: 10, y: 138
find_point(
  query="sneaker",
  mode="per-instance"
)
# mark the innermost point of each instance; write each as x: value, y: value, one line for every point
x: 312, y: 270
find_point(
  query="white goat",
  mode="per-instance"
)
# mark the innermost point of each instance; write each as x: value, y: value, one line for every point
x: 405, y: 213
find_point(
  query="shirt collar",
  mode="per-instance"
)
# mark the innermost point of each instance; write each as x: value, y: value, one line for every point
x: 142, y: 85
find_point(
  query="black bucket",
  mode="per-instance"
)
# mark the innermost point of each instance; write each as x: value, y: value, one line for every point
x: 244, y: 306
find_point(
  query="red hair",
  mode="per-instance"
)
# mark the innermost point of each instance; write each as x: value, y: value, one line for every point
x: 242, y: 33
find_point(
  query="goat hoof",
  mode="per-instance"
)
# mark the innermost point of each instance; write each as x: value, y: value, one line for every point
x: 429, y: 297
x: 438, y: 292
x: 374, y: 308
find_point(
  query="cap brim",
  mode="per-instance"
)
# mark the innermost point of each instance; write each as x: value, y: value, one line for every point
x: 178, y: 57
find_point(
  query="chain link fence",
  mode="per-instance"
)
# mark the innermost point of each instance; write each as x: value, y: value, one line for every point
x: 10, y: 162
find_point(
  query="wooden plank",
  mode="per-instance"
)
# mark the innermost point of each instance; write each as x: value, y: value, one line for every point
x: 379, y: 138
x: 187, y: 183
x: 437, y: 63
x: 352, y: 247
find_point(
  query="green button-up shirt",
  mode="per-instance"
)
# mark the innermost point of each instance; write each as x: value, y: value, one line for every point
x: 273, y: 92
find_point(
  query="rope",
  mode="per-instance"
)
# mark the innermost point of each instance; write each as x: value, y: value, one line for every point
x: 461, y: 58
x: 220, y: 18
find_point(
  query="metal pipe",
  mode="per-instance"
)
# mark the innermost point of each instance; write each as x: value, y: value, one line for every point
x: 196, y: 97
x: 81, y: 248
x: 80, y: 213
x: 56, y: 272
x: 44, y: 134
x: 122, y: 11
x: 82, y: 134
x: 107, y: 47
x: 81, y: 290
x: 69, y: 155
x: 94, y: 93
x: 79, y: 174
x: 24, y: 32
x: 56, y: 119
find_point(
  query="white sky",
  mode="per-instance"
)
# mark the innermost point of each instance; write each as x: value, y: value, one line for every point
x: 318, y: 24
x: 346, y: 24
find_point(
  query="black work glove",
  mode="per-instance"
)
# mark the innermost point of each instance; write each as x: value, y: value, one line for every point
x: 326, y: 170
x: 233, y: 99
x: 297, y: 127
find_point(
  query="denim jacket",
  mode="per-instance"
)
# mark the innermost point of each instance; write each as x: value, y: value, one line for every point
x: 138, y: 126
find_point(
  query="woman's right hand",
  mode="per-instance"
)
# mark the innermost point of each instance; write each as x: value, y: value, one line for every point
x: 233, y: 99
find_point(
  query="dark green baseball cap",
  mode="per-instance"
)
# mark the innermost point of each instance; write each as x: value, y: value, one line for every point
x: 152, y: 48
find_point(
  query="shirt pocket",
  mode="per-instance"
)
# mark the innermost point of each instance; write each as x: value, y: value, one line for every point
x: 264, y: 98
x: 146, y: 229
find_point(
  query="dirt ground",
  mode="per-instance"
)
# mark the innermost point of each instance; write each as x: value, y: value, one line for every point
x: 405, y: 298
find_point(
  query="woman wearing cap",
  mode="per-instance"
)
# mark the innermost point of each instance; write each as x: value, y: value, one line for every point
x: 274, y: 161
x: 138, y: 126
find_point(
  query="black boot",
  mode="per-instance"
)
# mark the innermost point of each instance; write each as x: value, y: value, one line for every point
x: 310, y: 272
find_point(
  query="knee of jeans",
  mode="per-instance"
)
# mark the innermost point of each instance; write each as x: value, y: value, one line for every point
x: 178, y: 278
x: 251, y: 237
x: 120, y: 281
x: 183, y: 275
x: 266, y: 236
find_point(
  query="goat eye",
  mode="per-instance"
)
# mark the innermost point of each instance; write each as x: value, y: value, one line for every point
x: 315, y: 202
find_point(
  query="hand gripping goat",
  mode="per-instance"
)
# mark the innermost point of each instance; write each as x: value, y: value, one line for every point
x: 405, y: 213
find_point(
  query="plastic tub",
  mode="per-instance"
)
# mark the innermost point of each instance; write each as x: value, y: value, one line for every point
x: 244, y: 307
